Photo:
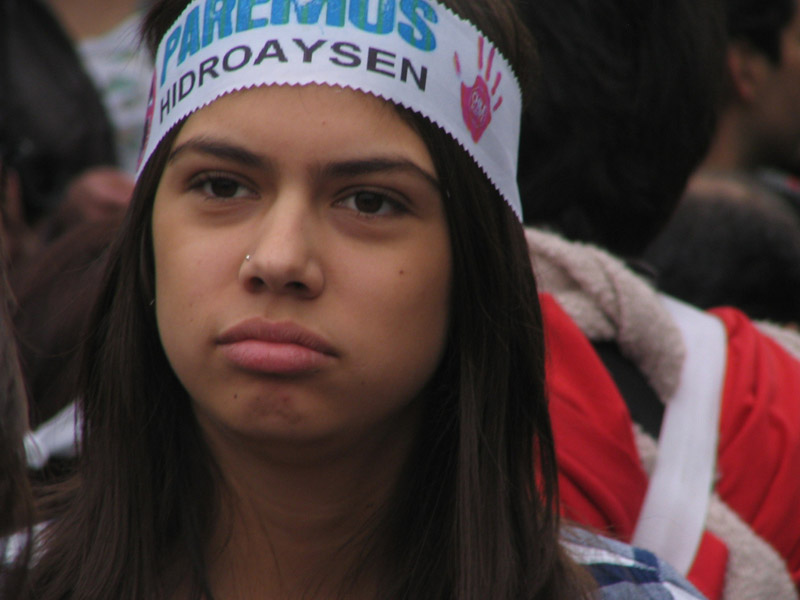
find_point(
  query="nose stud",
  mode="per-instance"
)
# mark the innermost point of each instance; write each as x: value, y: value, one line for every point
x: 247, y: 258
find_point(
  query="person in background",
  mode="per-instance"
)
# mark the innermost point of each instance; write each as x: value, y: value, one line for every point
x: 612, y: 136
x: 758, y: 134
x: 661, y: 411
x: 73, y: 89
x: 737, y: 247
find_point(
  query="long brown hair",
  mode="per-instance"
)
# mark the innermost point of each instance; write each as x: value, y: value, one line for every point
x: 475, y: 515
x: 16, y: 501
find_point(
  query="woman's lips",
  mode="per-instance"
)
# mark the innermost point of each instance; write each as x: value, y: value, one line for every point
x: 282, y: 348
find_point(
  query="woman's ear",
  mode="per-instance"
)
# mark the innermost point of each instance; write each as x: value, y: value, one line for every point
x: 748, y: 69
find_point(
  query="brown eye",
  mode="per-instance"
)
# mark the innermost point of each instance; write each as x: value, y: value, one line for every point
x: 373, y: 204
x: 226, y: 188
x: 368, y: 202
x: 214, y: 186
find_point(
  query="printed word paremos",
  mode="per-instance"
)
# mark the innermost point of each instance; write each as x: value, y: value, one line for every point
x: 412, y: 21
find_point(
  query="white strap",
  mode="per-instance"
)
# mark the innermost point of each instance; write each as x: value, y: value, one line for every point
x: 673, y: 515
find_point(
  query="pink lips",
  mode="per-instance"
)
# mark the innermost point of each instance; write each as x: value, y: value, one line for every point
x: 282, y: 348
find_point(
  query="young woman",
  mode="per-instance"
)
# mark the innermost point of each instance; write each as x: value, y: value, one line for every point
x: 316, y: 367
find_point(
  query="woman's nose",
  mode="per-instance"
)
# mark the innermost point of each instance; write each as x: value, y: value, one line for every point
x: 283, y: 258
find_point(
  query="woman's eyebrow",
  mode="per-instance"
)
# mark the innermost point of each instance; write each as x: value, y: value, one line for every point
x: 368, y: 166
x: 220, y: 149
x: 346, y: 168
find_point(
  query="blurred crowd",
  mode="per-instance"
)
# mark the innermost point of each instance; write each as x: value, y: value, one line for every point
x: 74, y: 84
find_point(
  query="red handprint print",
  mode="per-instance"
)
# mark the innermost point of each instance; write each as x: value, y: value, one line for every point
x: 476, y: 101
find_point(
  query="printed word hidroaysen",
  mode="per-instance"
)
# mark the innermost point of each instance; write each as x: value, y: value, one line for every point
x: 411, y: 20
x: 341, y: 54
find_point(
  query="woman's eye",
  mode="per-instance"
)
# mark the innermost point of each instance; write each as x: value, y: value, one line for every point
x: 372, y: 204
x: 219, y: 186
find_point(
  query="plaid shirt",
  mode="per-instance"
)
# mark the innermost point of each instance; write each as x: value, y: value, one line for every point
x: 624, y: 572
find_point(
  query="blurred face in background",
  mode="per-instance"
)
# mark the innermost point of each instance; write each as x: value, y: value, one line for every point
x: 777, y: 102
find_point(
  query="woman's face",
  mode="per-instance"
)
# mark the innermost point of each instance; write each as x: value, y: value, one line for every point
x: 303, y: 265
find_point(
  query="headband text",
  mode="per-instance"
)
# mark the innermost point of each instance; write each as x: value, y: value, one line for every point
x: 412, y: 20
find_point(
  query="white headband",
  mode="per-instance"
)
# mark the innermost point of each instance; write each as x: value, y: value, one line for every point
x: 415, y: 53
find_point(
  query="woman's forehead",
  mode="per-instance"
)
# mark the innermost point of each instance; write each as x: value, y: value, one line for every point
x: 306, y: 101
x: 312, y: 123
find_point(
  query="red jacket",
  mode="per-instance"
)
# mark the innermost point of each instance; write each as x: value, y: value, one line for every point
x: 602, y: 482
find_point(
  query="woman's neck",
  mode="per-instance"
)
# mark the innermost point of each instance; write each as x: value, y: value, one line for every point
x: 263, y: 550
x: 300, y: 526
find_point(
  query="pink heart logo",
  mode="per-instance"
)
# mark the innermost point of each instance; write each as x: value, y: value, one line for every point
x: 476, y: 101
x: 475, y: 107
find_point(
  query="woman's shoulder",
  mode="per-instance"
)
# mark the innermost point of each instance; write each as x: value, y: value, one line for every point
x: 624, y: 572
